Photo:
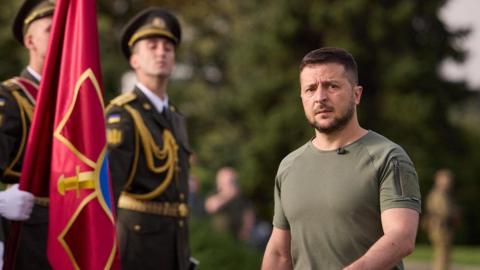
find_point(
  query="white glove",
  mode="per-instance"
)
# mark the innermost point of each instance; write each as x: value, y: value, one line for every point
x: 16, y: 204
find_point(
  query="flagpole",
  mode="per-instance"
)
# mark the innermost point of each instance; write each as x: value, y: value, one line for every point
x: 12, y: 245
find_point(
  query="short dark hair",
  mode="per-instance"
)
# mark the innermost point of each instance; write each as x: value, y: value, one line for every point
x: 332, y: 55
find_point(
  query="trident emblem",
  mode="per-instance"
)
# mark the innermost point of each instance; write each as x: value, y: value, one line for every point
x: 82, y: 180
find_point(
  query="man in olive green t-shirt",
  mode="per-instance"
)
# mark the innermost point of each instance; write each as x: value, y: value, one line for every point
x: 349, y: 198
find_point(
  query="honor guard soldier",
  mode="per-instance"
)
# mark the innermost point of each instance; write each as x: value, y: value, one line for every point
x: 31, y: 28
x: 149, y: 150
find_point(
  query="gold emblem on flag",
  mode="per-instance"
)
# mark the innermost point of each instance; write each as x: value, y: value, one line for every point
x: 114, y: 136
x: 2, y: 102
x: 82, y: 180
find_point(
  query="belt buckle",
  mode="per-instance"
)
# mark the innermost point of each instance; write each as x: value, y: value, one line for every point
x: 182, y: 210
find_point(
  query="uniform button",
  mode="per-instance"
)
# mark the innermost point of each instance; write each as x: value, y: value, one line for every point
x: 137, y: 227
x: 180, y: 223
x: 147, y: 106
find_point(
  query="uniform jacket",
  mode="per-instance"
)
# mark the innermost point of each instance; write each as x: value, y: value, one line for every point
x: 148, y: 241
x: 14, y: 128
x: 13, y: 133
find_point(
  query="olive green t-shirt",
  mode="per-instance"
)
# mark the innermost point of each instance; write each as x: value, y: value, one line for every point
x: 331, y: 201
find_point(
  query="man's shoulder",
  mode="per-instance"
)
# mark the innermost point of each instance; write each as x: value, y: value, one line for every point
x: 374, y: 139
x: 174, y: 109
x: 123, y: 99
x: 9, y: 85
x: 7, y: 88
x: 288, y: 160
x: 380, y: 147
x: 116, y: 112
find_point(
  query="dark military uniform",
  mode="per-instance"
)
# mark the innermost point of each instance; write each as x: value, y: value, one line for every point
x: 148, y: 153
x: 16, y: 107
x: 16, y: 110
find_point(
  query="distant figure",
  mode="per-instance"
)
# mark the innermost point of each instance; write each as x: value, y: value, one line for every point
x: 196, y: 201
x: 231, y: 211
x: 441, y: 217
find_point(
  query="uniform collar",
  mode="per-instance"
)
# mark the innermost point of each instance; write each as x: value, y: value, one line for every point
x: 34, y: 74
x: 157, y: 102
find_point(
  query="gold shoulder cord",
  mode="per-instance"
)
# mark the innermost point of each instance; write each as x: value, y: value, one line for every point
x: 152, y: 150
x: 121, y: 101
x: 135, y: 160
x: 26, y: 110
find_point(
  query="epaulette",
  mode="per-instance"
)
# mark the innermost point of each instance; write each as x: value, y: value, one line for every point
x: 123, y: 99
x: 173, y: 108
x: 10, y: 85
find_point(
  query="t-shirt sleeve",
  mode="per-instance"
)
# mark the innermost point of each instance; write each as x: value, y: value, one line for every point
x: 399, y: 186
x: 279, y: 219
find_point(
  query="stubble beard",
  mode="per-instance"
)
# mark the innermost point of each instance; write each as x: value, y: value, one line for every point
x: 338, y: 122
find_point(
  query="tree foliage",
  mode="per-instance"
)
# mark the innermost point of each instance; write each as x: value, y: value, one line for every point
x: 253, y: 116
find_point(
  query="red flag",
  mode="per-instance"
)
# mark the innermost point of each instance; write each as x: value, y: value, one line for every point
x: 66, y: 156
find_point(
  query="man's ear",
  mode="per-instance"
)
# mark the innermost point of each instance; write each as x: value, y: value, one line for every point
x: 133, y: 61
x: 357, y: 92
x: 28, y: 40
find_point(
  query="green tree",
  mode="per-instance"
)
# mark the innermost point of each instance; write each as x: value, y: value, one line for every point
x: 248, y: 114
x: 252, y: 117
x: 14, y: 55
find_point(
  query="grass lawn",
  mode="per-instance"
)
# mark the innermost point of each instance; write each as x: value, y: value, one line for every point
x: 465, y: 255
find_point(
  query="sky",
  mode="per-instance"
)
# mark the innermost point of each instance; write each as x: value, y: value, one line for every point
x: 457, y: 14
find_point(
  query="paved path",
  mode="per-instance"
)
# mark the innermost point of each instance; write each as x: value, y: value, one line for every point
x: 411, y: 265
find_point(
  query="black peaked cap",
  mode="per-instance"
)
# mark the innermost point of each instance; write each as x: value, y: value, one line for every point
x: 30, y: 11
x: 149, y: 23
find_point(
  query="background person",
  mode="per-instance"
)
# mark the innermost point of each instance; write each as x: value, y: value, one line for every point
x: 231, y: 211
x: 441, y: 219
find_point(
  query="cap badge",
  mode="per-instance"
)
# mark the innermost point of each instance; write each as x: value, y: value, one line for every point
x: 159, y: 22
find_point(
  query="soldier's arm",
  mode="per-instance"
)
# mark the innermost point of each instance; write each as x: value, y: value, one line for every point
x: 10, y: 128
x: 248, y: 222
x: 400, y: 230
x: 277, y: 254
x: 121, y: 147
